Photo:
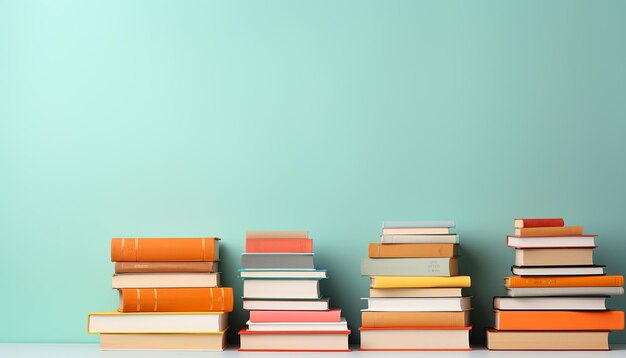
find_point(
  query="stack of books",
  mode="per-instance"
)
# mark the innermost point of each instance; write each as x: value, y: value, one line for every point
x: 556, y: 299
x: 281, y: 291
x: 170, y: 296
x: 415, y: 299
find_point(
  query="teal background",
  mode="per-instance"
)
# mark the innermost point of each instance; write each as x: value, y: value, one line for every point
x: 199, y: 118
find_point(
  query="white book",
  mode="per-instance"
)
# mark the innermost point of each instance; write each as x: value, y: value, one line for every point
x: 282, y: 274
x: 564, y: 291
x: 557, y: 270
x: 298, y: 326
x: 551, y: 241
x: 285, y: 289
x: 419, y: 239
x: 286, y: 305
x: 411, y: 304
x: 549, y: 303
x: 159, y: 280
x: 156, y: 322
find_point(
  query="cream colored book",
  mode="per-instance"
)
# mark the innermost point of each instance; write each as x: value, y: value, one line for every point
x: 417, y: 292
x: 554, y: 257
x: 164, y: 280
x: 415, y: 339
x: 157, y: 322
x: 157, y: 341
x: 547, y: 340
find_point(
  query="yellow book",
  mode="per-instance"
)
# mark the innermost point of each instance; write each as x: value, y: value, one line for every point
x: 419, y: 281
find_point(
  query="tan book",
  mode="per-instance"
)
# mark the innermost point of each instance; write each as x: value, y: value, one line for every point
x: 415, y: 339
x: 549, y: 231
x: 547, y: 340
x: 411, y: 250
x: 157, y: 341
x: 165, y: 266
x: 417, y: 231
x: 415, y: 319
x: 277, y: 235
x: 417, y: 292
x: 158, y: 280
x: 554, y: 257
x: 319, y: 341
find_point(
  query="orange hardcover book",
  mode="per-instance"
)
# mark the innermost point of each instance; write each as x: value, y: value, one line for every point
x: 214, y: 299
x: 549, y: 231
x: 563, y: 281
x: 559, y: 320
x: 165, y: 266
x: 411, y: 250
x: 257, y: 245
x: 165, y: 249
x: 372, y: 319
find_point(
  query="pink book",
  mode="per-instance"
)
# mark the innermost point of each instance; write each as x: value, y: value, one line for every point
x: 333, y: 315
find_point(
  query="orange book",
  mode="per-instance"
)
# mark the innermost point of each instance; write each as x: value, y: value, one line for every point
x: 171, y: 249
x: 563, y: 281
x: 214, y: 299
x: 373, y: 319
x: 549, y: 231
x: 559, y: 320
x: 411, y: 250
x: 257, y: 245
x: 165, y: 266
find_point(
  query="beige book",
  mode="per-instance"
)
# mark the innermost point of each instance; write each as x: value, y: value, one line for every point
x: 277, y: 235
x: 157, y: 341
x: 417, y: 231
x: 374, y: 339
x: 415, y: 319
x: 547, y: 340
x: 163, y: 280
x: 416, y: 292
x: 554, y: 257
x: 289, y: 342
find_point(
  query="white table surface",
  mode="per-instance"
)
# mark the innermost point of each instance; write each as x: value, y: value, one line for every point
x: 8, y: 350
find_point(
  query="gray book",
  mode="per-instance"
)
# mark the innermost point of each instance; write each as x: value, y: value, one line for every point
x: 289, y: 261
x: 418, y: 223
x: 564, y: 291
x: 410, y: 267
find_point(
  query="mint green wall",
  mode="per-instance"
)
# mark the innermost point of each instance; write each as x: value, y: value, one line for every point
x: 198, y: 118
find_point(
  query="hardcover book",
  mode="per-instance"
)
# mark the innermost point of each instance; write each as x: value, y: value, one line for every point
x: 165, y: 249
x: 410, y: 267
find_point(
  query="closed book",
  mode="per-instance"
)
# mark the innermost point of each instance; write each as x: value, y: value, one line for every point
x: 157, y: 280
x: 554, y: 257
x: 157, y: 322
x: 219, y: 299
x: 564, y: 291
x: 410, y: 267
x: 165, y: 249
x: 419, y: 224
x: 417, y: 231
x: 164, y: 341
x: 550, y: 241
x: 422, y: 304
x: 278, y: 245
x: 417, y: 292
x: 285, y: 341
x: 415, y: 338
x: 166, y: 266
x: 557, y: 270
x: 419, y: 239
x: 267, y: 273
x: 547, y: 340
x: 559, y: 320
x: 291, y: 261
x: 549, y: 303
x: 295, y: 326
x: 419, y: 281
x: 321, y: 304
x: 333, y: 315
x: 539, y: 222
x: 550, y: 231
x: 564, y: 281
x: 372, y: 319
x: 285, y: 289
x: 411, y: 250
x: 277, y: 235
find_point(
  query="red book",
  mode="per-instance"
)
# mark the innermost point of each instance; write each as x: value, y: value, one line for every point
x: 333, y: 315
x: 544, y: 222
x: 300, y: 245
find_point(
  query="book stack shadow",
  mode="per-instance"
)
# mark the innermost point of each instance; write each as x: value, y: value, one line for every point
x: 416, y: 300
x: 281, y: 291
x: 556, y: 298
x: 170, y: 296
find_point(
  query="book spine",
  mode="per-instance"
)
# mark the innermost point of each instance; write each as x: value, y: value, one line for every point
x: 164, y: 266
x: 295, y: 316
x: 550, y: 231
x: 217, y: 299
x: 563, y: 281
x: 411, y: 251
x: 548, y: 222
x: 414, y: 319
x: 176, y: 249
x: 561, y: 320
x: 279, y: 245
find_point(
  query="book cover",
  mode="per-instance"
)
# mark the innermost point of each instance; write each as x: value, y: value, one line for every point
x: 559, y: 320
x: 541, y: 222
x: 419, y: 281
x: 411, y: 250
x: 410, y: 267
x: 165, y: 249
x: 217, y: 299
x: 564, y: 281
